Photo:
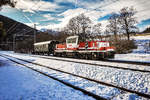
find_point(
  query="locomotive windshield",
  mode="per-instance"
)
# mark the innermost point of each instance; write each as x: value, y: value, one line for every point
x: 71, y: 40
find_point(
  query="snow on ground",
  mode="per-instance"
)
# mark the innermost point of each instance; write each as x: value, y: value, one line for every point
x: 17, y: 82
x: 20, y: 83
x: 92, y: 61
x: 101, y: 90
x: 129, y: 79
x: 122, y: 65
x: 133, y: 57
x: 146, y: 37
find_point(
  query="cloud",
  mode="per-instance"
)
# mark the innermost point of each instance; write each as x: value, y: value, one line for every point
x: 91, y: 8
x: 67, y: 15
x: 60, y: 1
x: 31, y: 24
x: 93, y: 15
x: 97, y: 9
x: 6, y: 9
x: 109, y: 6
x: 141, y: 7
x: 50, y: 26
x: 35, y: 5
x: 48, y: 17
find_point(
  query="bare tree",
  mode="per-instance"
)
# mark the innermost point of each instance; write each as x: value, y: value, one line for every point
x: 97, y: 30
x: 128, y: 21
x: 7, y: 2
x: 73, y: 26
x: 113, y: 26
x: 84, y: 24
x: 2, y: 3
x: 80, y: 25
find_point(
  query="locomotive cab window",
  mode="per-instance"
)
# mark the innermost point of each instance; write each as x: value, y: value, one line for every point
x: 103, y: 44
x: 72, y: 40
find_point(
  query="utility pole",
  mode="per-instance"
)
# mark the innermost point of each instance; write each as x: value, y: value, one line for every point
x: 34, y: 33
x: 14, y: 37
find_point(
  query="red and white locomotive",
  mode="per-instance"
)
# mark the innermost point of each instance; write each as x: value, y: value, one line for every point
x: 88, y: 50
x: 74, y: 47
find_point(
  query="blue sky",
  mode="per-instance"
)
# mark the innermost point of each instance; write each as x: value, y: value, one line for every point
x: 54, y: 14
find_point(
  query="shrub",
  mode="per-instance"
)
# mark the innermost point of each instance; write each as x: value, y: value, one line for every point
x: 124, y: 46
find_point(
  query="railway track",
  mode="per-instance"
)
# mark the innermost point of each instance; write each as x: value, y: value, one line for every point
x: 109, y: 66
x: 61, y: 81
x: 129, y: 62
x: 122, y: 61
x: 84, y: 91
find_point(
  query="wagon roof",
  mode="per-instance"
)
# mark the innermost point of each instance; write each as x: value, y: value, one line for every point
x: 41, y: 43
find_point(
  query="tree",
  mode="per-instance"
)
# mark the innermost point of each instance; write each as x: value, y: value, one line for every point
x: 84, y: 24
x: 113, y: 26
x: 73, y: 26
x: 97, y: 30
x: 128, y: 21
x: 4, y: 2
x: 7, y: 2
x: 80, y: 25
x: 147, y: 30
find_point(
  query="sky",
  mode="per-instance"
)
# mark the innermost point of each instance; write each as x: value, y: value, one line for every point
x: 55, y: 14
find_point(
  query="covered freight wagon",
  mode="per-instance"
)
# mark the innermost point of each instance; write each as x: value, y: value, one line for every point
x: 46, y: 47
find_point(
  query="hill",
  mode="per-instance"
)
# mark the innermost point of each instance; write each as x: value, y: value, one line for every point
x: 20, y: 37
x: 14, y: 32
x: 13, y: 27
x: 147, y: 30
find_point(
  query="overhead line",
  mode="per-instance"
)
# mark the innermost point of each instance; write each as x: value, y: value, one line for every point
x: 14, y: 28
x: 16, y: 22
x: 11, y: 27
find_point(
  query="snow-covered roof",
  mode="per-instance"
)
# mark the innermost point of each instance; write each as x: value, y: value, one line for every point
x: 41, y: 43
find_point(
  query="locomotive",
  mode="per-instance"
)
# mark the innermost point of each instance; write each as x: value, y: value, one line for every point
x: 75, y: 48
